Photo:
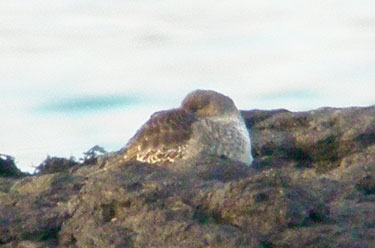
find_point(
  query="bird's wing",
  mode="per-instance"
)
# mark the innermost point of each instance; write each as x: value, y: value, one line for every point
x: 161, y: 138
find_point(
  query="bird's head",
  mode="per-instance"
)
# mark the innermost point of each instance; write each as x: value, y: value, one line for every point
x: 209, y: 104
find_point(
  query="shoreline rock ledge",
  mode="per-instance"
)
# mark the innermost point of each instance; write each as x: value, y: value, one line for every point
x: 312, y: 184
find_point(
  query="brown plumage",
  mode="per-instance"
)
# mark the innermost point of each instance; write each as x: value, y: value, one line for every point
x: 161, y: 139
x: 207, y: 123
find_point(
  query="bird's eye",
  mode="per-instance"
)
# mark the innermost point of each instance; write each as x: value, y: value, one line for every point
x: 194, y: 109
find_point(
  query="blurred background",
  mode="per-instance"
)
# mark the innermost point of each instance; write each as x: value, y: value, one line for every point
x: 77, y: 73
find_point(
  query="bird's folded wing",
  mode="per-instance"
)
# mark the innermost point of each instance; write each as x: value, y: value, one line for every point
x: 161, y: 138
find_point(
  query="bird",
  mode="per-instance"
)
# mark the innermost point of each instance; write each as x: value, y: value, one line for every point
x: 207, y: 124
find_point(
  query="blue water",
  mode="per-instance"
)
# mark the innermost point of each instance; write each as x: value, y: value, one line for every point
x: 87, y: 104
x: 79, y: 73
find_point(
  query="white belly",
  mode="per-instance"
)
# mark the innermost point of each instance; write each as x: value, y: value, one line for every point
x: 229, y: 138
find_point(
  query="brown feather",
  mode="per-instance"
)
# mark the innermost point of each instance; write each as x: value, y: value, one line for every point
x: 158, y: 139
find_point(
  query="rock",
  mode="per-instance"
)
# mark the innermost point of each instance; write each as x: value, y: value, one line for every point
x: 320, y: 138
x: 33, y: 208
x: 312, y: 185
x: 142, y: 205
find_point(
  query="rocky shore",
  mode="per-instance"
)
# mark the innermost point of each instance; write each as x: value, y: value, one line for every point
x: 312, y: 184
